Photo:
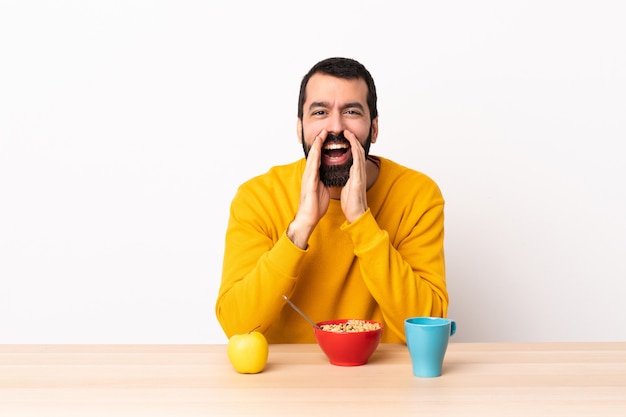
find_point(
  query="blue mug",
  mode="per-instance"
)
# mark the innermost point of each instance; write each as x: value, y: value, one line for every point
x: 427, y: 339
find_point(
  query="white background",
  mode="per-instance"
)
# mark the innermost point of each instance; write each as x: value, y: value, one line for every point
x: 126, y: 126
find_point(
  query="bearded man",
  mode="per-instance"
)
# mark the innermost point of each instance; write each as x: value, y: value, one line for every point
x: 342, y: 233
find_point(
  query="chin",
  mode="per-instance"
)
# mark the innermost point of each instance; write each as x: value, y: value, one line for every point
x: 334, y: 182
x: 335, y: 175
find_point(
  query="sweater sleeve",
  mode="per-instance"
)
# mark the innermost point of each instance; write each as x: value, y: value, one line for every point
x: 260, y: 265
x: 405, y: 276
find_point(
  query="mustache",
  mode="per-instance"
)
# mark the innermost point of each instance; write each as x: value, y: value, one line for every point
x: 340, y: 138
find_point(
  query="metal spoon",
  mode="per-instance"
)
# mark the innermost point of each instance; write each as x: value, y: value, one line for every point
x: 301, y: 313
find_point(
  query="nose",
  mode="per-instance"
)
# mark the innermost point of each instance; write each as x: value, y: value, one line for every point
x: 335, y: 124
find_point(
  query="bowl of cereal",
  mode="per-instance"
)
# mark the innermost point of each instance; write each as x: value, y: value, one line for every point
x: 348, y: 342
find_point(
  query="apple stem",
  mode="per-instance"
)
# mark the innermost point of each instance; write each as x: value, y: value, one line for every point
x: 254, y: 329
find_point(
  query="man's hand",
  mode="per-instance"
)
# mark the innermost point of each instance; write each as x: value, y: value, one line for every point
x: 314, y: 197
x: 354, y: 193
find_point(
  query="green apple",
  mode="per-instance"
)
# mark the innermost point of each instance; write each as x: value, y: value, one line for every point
x: 248, y: 352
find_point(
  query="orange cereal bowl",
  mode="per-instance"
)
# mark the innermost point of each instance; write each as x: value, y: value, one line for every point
x: 348, y: 342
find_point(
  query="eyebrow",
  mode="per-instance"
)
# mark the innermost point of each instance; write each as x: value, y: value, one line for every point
x: 354, y: 104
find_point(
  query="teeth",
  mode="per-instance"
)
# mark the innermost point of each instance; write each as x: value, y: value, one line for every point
x: 332, y: 146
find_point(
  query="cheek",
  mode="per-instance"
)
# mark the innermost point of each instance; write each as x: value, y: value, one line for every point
x: 361, y: 132
x: 310, y: 130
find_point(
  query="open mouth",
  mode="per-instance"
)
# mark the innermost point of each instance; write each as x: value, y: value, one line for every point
x: 335, y: 151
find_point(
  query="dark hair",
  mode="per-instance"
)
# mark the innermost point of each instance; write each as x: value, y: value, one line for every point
x: 341, y: 68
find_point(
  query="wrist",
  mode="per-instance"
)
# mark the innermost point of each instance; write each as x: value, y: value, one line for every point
x: 299, y: 234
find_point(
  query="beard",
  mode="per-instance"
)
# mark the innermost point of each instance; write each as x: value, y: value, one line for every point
x: 337, y: 175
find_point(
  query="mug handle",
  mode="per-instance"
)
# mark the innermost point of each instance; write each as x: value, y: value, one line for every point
x: 452, y: 327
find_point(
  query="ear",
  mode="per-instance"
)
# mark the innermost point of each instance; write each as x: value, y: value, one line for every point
x: 375, y: 129
x: 299, y: 131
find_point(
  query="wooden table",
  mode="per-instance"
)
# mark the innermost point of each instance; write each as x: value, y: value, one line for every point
x: 479, y: 379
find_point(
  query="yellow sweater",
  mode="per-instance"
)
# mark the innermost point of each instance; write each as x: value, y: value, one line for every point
x: 386, y: 266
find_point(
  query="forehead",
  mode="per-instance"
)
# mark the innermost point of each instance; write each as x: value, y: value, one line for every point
x: 328, y: 89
